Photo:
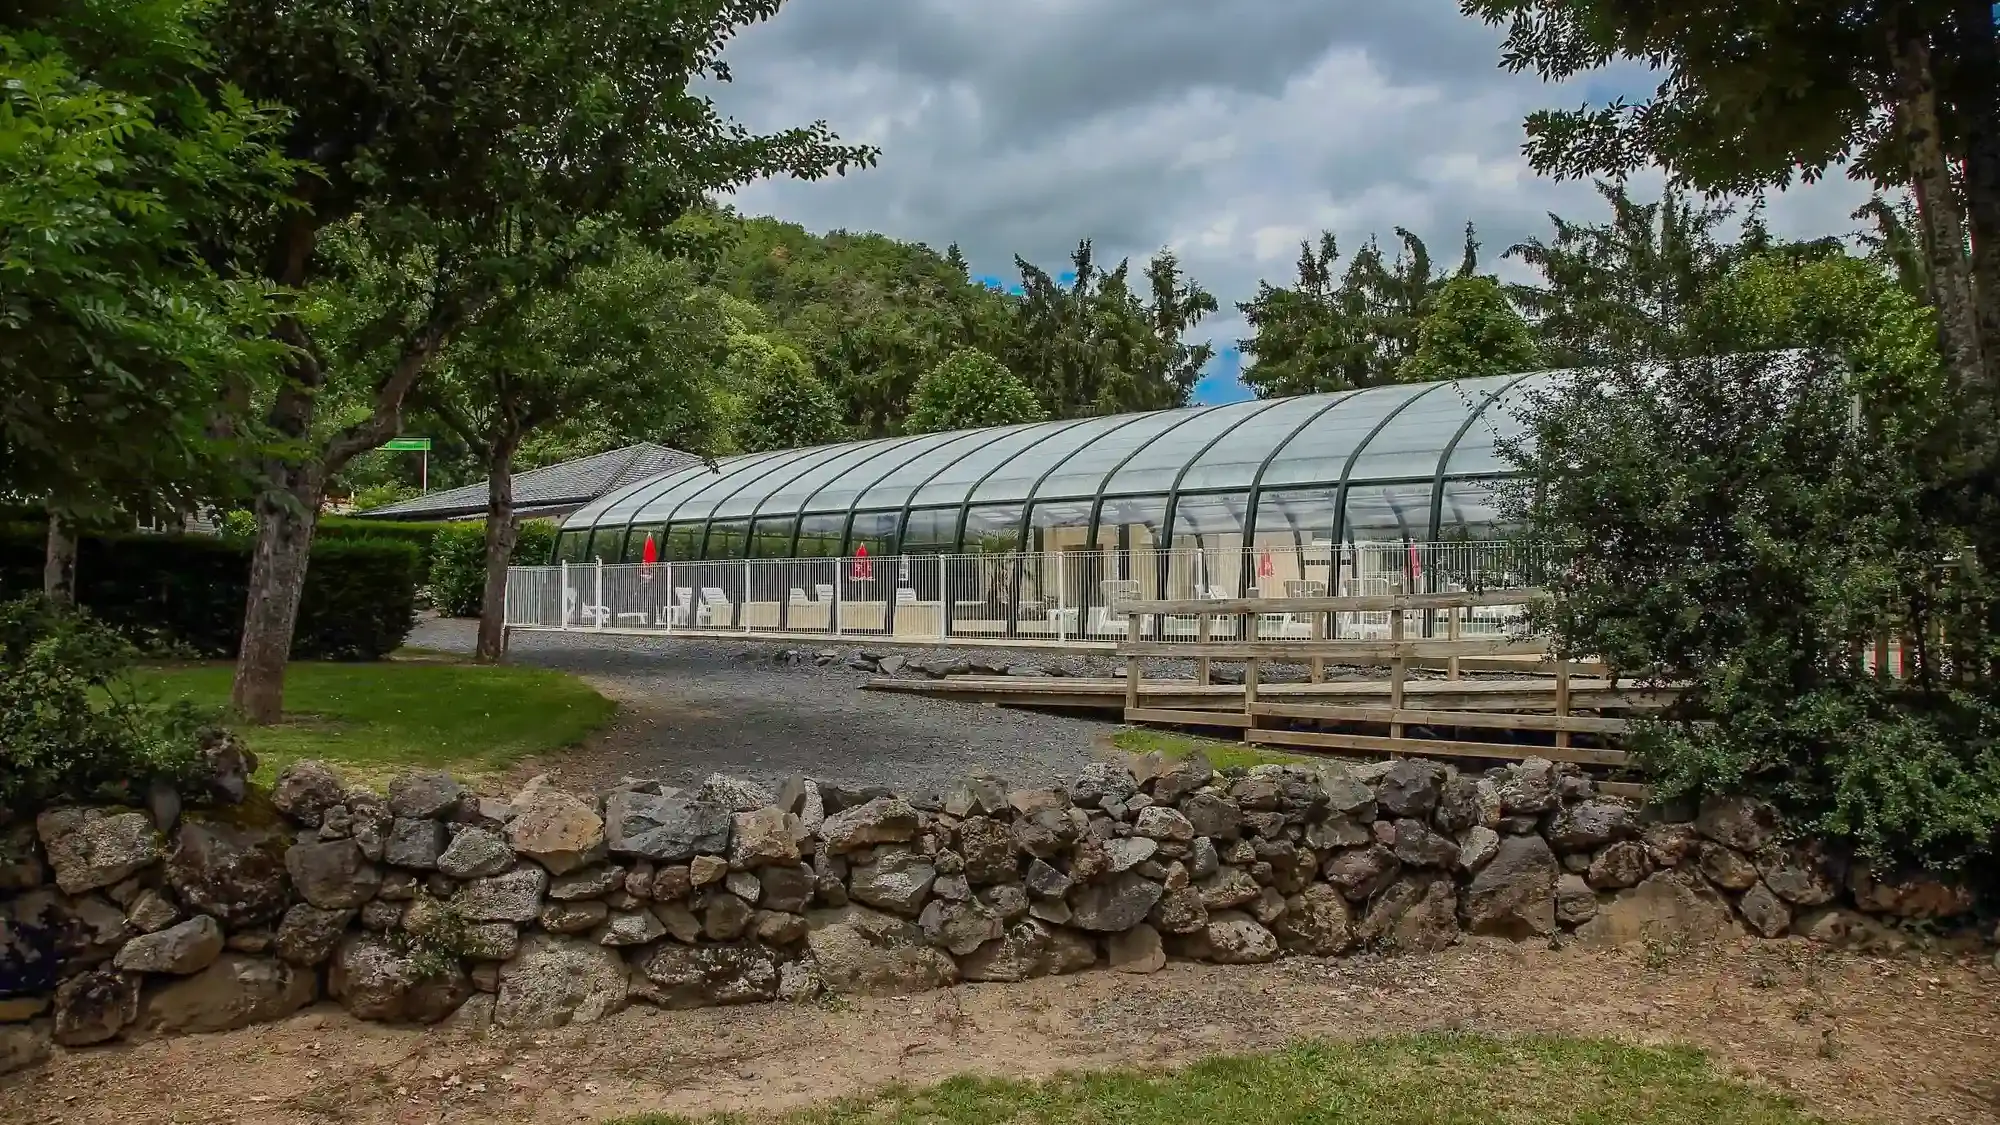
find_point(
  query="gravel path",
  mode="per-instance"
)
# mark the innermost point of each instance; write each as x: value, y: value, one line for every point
x: 689, y: 708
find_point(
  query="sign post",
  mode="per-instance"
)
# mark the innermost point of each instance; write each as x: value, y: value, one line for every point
x: 415, y: 445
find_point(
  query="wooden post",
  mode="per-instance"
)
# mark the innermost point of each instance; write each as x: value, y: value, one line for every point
x: 1562, y: 697
x: 1398, y: 664
x: 1451, y: 633
x: 1319, y: 662
x: 1201, y: 664
x: 1882, y: 655
x: 1131, y: 663
x: 1250, y: 670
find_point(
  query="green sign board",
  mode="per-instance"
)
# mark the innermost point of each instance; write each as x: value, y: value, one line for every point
x: 411, y: 443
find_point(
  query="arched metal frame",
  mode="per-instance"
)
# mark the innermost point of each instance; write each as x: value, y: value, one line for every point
x: 774, y: 472
x: 1444, y: 459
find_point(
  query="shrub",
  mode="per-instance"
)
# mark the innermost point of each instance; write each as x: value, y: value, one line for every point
x: 71, y: 726
x: 968, y: 389
x: 1744, y: 529
x: 186, y: 593
x: 458, y: 562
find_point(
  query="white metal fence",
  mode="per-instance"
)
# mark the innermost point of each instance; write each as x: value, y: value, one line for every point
x: 1057, y: 597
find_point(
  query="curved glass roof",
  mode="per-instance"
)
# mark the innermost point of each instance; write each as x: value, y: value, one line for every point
x: 1414, y: 434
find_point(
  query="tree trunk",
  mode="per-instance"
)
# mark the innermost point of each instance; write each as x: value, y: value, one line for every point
x: 501, y: 535
x: 1937, y: 204
x: 59, y: 562
x: 287, y: 514
x: 1977, y: 97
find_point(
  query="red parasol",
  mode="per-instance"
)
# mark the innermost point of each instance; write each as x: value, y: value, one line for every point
x: 650, y: 553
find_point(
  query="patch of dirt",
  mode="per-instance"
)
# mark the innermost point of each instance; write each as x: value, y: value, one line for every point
x: 1856, y: 1039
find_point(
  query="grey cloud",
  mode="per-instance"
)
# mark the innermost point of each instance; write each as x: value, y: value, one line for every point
x: 1228, y: 129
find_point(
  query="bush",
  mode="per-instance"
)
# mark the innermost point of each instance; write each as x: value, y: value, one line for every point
x: 71, y: 726
x: 1747, y: 527
x: 1738, y: 529
x: 458, y: 562
x: 969, y: 389
x: 185, y: 593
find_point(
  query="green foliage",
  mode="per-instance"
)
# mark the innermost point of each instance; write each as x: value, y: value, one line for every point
x: 120, y: 330
x: 382, y: 495
x: 185, y: 593
x: 1098, y: 346
x: 71, y: 726
x: 1430, y: 1079
x: 968, y: 389
x: 1471, y: 330
x: 1746, y: 527
x: 377, y: 720
x: 786, y: 405
x: 458, y: 562
x: 1319, y: 335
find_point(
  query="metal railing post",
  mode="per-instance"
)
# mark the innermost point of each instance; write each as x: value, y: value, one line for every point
x: 744, y: 605
x: 1062, y: 597
x: 562, y: 600
x: 839, y: 582
x: 944, y: 603
x: 597, y: 611
x: 673, y: 603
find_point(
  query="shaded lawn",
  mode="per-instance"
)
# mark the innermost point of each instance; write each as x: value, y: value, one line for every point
x: 376, y: 720
x: 1220, y: 754
x: 1439, y: 1079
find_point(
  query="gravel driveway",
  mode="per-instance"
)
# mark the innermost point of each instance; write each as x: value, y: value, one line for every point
x: 689, y: 708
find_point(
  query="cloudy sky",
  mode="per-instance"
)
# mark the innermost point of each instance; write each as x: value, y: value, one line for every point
x: 1225, y: 129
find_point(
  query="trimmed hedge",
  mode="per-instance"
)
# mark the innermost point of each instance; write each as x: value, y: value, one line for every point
x: 458, y: 562
x: 187, y: 592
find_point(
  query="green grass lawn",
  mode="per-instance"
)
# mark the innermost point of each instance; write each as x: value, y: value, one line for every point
x: 1414, y: 1080
x: 376, y: 720
x: 1222, y: 755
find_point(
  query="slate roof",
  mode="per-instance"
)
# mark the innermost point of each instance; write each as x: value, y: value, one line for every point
x: 550, y: 490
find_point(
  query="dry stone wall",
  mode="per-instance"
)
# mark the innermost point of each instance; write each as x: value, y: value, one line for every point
x: 431, y: 903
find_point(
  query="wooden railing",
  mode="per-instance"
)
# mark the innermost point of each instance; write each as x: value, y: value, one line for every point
x: 1237, y: 622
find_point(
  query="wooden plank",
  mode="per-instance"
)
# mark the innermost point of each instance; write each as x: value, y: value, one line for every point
x: 1188, y: 718
x: 1630, y: 790
x: 1451, y: 634
x: 1363, y: 603
x: 1301, y: 650
x: 1562, y: 701
x: 1398, y: 670
x: 1250, y: 677
x: 1319, y: 635
x: 1132, y: 664
x: 1201, y: 664
x: 1497, y: 720
x: 1434, y: 747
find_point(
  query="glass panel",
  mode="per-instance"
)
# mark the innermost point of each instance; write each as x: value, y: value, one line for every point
x: 957, y: 478
x: 1470, y: 511
x: 1377, y: 512
x: 742, y: 489
x: 772, y: 537
x: 1154, y: 467
x: 1413, y: 442
x: 993, y: 528
x: 725, y: 540
x: 1136, y: 522
x: 834, y: 492
x: 931, y: 531
x: 786, y: 489
x: 1234, y: 460
x: 684, y: 541
x: 874, y: 530
x: 1083, y: 474
x: 635, y: 546
x: 569, y: 545
x: 1215, y: 525
x: 920, y: 459
x: 1478, y: 450
x: 1014, y: 479
x: 655, y: 499
x: 1060, y: 525
x: 819, y: 536
x: 1318, y: 453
